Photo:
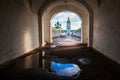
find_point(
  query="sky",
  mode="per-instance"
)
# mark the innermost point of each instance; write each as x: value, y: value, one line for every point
x: 62, y: 18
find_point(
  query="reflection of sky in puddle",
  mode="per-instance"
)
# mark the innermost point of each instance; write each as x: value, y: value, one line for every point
x: 65, y: 69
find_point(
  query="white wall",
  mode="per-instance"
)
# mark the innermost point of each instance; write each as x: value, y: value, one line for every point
x: 56, y: 32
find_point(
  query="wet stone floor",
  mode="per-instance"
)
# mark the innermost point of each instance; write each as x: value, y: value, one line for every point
x: 62, y: 63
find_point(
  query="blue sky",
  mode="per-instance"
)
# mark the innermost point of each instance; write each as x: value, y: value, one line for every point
x: 62, y: 18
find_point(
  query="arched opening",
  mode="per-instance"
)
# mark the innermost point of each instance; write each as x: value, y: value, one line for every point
x: 66, y: 28
x: 55, y: 7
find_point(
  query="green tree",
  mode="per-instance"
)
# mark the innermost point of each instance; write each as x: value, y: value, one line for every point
x: 64, y: 31
x: 57, y: 25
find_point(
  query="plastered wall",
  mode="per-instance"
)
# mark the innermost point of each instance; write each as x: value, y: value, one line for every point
x: 106, y: 32
x: 18, y: 29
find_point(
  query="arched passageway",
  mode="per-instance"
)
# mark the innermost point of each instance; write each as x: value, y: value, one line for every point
x: 55, y: 7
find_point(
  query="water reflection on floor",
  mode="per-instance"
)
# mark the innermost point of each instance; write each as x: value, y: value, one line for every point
x: 50, y: 63
x: 67, y: 69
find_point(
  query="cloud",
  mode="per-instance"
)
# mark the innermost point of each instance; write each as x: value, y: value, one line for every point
x: 68, y: 71
x: 62, y: 18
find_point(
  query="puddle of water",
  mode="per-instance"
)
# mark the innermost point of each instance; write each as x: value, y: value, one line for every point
x: 61, y: 67
x: 53, y: 46
x: 67, y: 69
x: 84, y: 61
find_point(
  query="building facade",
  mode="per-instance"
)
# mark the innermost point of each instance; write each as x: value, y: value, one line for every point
x: 68, y: 26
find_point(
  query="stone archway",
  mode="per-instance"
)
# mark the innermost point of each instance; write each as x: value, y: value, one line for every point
x: 59, y: 6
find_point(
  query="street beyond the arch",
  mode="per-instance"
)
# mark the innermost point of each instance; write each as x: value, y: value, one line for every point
x: 66, y: 40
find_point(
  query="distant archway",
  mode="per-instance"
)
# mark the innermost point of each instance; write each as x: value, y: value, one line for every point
x: 66, y: 28
x: 54, y: 7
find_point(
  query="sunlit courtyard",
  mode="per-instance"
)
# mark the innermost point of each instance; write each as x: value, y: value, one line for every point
x: 66, y: 41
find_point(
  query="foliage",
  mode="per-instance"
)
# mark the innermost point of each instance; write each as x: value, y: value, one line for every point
x: 64, y: 31
x: 57, y: 25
